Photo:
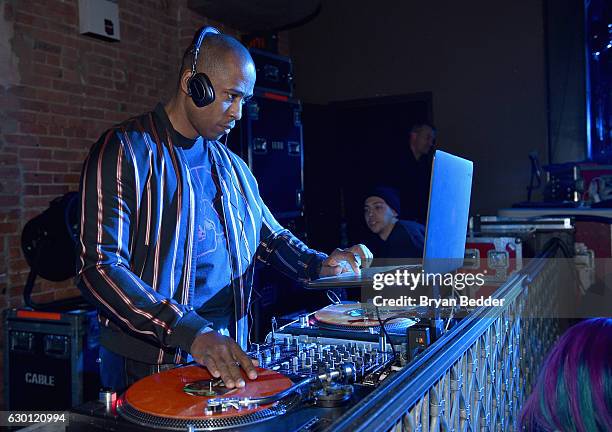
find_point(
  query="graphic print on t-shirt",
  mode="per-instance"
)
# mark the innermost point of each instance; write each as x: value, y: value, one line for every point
x: 210, y: 234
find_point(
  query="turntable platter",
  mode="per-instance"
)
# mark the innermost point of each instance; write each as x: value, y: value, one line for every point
x: 355, y: 316
x: 178, y: 397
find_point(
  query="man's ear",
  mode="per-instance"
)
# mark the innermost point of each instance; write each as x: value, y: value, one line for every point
x: 185, y: 75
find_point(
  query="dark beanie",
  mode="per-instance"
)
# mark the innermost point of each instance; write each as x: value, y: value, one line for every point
x: 389, y: 194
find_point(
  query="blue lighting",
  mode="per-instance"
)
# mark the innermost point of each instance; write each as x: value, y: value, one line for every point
x: 598, y: 32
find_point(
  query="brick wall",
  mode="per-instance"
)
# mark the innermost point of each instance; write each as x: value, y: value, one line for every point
x: 59, y: 91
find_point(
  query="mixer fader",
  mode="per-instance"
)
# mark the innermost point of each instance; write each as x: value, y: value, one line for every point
x: 304, y: 355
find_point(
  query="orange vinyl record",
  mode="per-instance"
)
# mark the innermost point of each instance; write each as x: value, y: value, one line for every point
x: 356, y: 316
x: 182, y: 394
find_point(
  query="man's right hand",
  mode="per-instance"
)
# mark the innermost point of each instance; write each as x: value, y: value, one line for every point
x: 223, y: 358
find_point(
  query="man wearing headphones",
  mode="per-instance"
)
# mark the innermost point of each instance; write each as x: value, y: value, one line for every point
x: 172, y: 222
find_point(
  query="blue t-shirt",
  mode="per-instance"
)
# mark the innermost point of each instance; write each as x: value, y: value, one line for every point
x: 213, y: 298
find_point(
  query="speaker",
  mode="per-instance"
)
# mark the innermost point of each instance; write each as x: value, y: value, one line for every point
x: 269, y: 139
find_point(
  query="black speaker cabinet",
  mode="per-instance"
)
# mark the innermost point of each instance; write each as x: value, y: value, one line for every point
x: 269, y: 139
x: 274, y: 72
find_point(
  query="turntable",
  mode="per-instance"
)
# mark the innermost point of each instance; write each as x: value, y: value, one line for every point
x: 359, y: 317
x: 190, y: 396
x: 356, y: 321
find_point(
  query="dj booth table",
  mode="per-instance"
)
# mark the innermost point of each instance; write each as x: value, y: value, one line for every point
x: 478, y: 373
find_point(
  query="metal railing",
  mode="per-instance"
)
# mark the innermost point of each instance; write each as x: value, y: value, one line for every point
x: 477, y: 375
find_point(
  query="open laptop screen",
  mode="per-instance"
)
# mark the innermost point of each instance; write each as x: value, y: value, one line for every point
x: 447, y: 216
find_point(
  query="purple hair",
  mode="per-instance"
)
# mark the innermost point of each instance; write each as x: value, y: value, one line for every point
x: 574, y: 388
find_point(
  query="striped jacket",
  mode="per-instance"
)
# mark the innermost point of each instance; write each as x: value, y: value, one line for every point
x: 136, y: 262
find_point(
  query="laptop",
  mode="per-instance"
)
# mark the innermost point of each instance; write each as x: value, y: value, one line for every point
x: 445, y: 230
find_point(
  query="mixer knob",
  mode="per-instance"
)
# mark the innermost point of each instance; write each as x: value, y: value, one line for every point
x: 311, y: 352
x: 285, y: 365
x: 277, y: 352
x: 288, y: 342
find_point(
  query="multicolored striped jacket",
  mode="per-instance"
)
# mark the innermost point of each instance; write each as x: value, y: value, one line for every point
x: 136, y: 262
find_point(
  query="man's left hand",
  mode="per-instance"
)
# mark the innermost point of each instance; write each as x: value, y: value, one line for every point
x: 346, y: 260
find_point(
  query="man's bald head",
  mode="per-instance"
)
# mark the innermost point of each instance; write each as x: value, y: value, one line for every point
x: 216, y: 53
x: 232, y: 74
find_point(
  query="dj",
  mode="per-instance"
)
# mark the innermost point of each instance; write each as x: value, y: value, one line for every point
x: 171, y: 225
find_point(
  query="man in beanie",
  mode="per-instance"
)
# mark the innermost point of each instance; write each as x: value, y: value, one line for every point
x: 393, y: 238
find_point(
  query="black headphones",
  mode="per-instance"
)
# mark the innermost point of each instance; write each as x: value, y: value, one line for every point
x: 199, y: 86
